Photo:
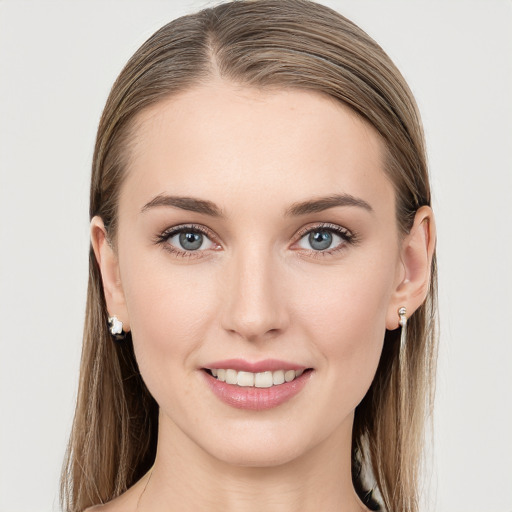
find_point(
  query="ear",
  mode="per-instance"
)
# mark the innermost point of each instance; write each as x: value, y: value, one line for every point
x: 110, y: 275
x: 417, y: 250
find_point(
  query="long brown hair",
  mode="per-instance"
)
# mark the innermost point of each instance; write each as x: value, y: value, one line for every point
x: 267, y: 44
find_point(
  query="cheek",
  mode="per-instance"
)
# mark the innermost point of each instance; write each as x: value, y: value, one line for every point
x: 346, y: 317
x: 349, y: 302
x: 170, y: 312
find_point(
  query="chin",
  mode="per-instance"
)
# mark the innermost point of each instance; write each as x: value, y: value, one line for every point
x: 258, y: 457
x: 266, y: 446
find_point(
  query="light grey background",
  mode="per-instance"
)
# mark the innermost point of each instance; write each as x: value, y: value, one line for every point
x: 57, y: 62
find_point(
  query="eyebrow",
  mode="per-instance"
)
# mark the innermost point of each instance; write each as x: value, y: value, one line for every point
x: 191, y: 204
x: 206, y: 207
x: 324, y: 203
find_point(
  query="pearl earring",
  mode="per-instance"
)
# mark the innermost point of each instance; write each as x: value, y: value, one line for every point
x: 116, y: 328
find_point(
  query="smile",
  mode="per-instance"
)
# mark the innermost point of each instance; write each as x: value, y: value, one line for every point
x: 246, y: 379
x: 258, y: 385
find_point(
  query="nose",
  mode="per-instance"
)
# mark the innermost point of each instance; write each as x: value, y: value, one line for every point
x: 254, y: 305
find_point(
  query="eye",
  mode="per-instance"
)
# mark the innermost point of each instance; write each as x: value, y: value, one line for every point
x: 184, y: 240
x: 189, y: 241
x: 325, y: 238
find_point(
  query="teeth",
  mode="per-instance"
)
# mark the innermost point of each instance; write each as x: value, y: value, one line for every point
x: 231, y: 376
x: 278, y: 377
x: 289, y: 376
x: 263, y: 380
x: 258, y: 380
x: 245, y: 379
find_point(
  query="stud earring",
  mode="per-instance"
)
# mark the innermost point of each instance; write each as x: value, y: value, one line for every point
x: 116, y: 328
x: 403, y: 323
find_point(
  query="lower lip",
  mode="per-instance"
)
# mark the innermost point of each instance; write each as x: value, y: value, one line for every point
x: 256, y: 399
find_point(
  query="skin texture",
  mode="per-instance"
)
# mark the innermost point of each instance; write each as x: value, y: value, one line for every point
x: 257, y: 289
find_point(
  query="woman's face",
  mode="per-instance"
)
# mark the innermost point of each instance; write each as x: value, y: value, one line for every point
x: 257, y: 234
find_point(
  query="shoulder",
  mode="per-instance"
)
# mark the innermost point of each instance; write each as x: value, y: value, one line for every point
x: 111, y: 506
x: 107, y: 507
x: 126, y: 502
x: 115, y: 505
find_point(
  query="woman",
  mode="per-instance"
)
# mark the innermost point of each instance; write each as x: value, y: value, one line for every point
x: 260, y: 316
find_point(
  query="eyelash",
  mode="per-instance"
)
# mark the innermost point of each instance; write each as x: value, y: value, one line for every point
x: 348, y: 237
x: 163, y: 239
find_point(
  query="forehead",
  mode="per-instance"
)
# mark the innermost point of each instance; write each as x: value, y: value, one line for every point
x: 221, y: 141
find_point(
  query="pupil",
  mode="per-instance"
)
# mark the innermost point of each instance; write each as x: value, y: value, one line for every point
x: 191, y: 241
x: 320, y: 240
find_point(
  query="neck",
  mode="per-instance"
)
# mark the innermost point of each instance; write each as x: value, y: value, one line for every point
x: 185, y: 477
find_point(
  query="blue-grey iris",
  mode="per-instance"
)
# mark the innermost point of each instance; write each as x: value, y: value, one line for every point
x: 320, y: 240
x: 191, y: 241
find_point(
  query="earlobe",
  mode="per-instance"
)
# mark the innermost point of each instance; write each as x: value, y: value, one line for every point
x: 110, y: 275
x: 416, y: 260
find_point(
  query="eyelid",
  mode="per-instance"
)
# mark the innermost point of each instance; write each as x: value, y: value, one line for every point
x: 173, y: 230
x: 164, y: 236
x: 348, y: 237
x: 324, y: 225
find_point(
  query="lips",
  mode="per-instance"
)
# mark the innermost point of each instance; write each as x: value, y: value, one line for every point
x: 258, y: 380
x: 255, y: 367
x: 256, y: 386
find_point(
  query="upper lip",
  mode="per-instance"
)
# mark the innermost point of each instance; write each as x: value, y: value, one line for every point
x: 255, y: 366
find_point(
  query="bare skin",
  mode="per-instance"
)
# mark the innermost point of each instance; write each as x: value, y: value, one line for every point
x: 267, y: 279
